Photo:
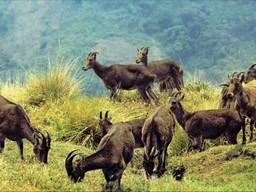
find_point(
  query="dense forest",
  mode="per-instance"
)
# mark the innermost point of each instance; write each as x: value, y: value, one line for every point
x: 208, y: 38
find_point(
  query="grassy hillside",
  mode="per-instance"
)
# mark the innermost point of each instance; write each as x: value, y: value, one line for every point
x: 72, y: 120
x: 206, y: 171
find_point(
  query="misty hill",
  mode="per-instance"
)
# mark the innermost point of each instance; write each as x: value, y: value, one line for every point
x: 208, y: 38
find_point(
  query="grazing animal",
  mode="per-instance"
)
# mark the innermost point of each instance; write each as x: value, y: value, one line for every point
x: 113, y: 153
x: 157, y: 133
x: 250, y: 74
x: 206, y: 124
x: 245, y: 100
x: 135, y: 124
x: 15, y: 125
x: 168, y: 73
x: 126, y: 77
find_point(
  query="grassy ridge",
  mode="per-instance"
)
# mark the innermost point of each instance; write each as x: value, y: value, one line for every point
x: 72, y: 120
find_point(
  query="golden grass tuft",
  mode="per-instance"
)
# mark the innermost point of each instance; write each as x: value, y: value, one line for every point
x: 56, y: 84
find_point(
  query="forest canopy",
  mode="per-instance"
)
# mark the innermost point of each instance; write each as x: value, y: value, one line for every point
x: 210, y: 39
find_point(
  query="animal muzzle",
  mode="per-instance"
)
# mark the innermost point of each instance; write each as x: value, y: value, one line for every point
x: 138, y: 61
x: 85, y: 68
x: 230, y: 95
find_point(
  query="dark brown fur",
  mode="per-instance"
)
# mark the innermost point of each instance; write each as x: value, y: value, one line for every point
x: 206, y: 124
x: 250, y: 74
x: 157, y: 133
x: 135, y: 124
x: 114, y: 152
x: 15, y: 125
x: 245, y: 101
x: 126, y: 77
x: 168, y: 73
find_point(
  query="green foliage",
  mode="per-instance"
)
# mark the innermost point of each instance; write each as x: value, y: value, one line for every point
x: 214, y: 36
x: 57, y: 84
x: 205, y: 171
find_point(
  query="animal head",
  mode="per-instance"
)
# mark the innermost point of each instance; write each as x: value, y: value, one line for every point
x: 142, y: 55
x: 104, y: 123
x: 251, y: 74
x: 174, y: 101
x: 225, y: 101
x: 73, y: 166
x: 235, y: 84
x: 89, y: 61
x: 148, y: 161
x: 42, y: 145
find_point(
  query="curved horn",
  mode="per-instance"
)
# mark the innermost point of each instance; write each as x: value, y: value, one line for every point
x: 224, y: 84
x: 181, y: 97
x: 106, y: 114
x: 233, y: 74
x: 48, y: 138
x: 68, y: 162
x: 252, y: 66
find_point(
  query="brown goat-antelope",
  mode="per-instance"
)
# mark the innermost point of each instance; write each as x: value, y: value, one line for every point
x: 157, y: 133
x: 113, y: 153
x: 135, y: 124
x: 225, y: 101
x: 15, y: 125
x: 245, y: 100
x: 206, y: 124
x: 250, y: 74
x: 168, y: 73
x: 126, y: 77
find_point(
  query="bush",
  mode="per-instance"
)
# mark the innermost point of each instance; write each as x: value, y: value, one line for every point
x: 58, y: 83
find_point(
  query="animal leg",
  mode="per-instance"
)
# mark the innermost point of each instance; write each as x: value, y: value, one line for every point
x: 144, y: 95
x: 1, y: 146
x: 113, y: 94
x: 20, y: 145
x: 152, y: 94
x: 252, y: 124
x: 244, y: 134
x: 198, y: 143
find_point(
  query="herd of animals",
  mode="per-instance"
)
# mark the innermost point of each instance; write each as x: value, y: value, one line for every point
x: 153, y: 133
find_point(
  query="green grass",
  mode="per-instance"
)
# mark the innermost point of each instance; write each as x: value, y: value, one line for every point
x: 206, y: 171
x: 72, y: 120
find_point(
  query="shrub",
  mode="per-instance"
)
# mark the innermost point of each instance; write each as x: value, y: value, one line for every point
x: 56, y: 84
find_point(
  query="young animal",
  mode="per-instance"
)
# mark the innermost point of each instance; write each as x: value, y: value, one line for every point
x: 114, y: 152
x: 168, y: 73
x: 206, y: 124
x: 135, y: 124
x: 126, y: 77
x: 15, y: 125
x: 157, y: 133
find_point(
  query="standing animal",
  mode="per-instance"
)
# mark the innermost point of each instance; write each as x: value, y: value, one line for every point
x: 250, y: 74
x: 135, y: 124
x: 113, y: 153
x: 206, y: 124
x: 157, y: 133
x: 15, y: 125
x: 126, y: 77
x: 225, y: 101
x: 245, y: 100
x: 168, y: 73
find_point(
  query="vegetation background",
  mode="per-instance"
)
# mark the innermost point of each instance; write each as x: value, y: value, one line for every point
x: 43, y: 44
x: 209, y: 38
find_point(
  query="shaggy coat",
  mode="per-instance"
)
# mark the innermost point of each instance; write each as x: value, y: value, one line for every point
x: 168, y: 73
x: 126, y: 77
x: 113, y: 153
x: 206, y: 124
x: 157, y: 133
x: 15, y: 125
